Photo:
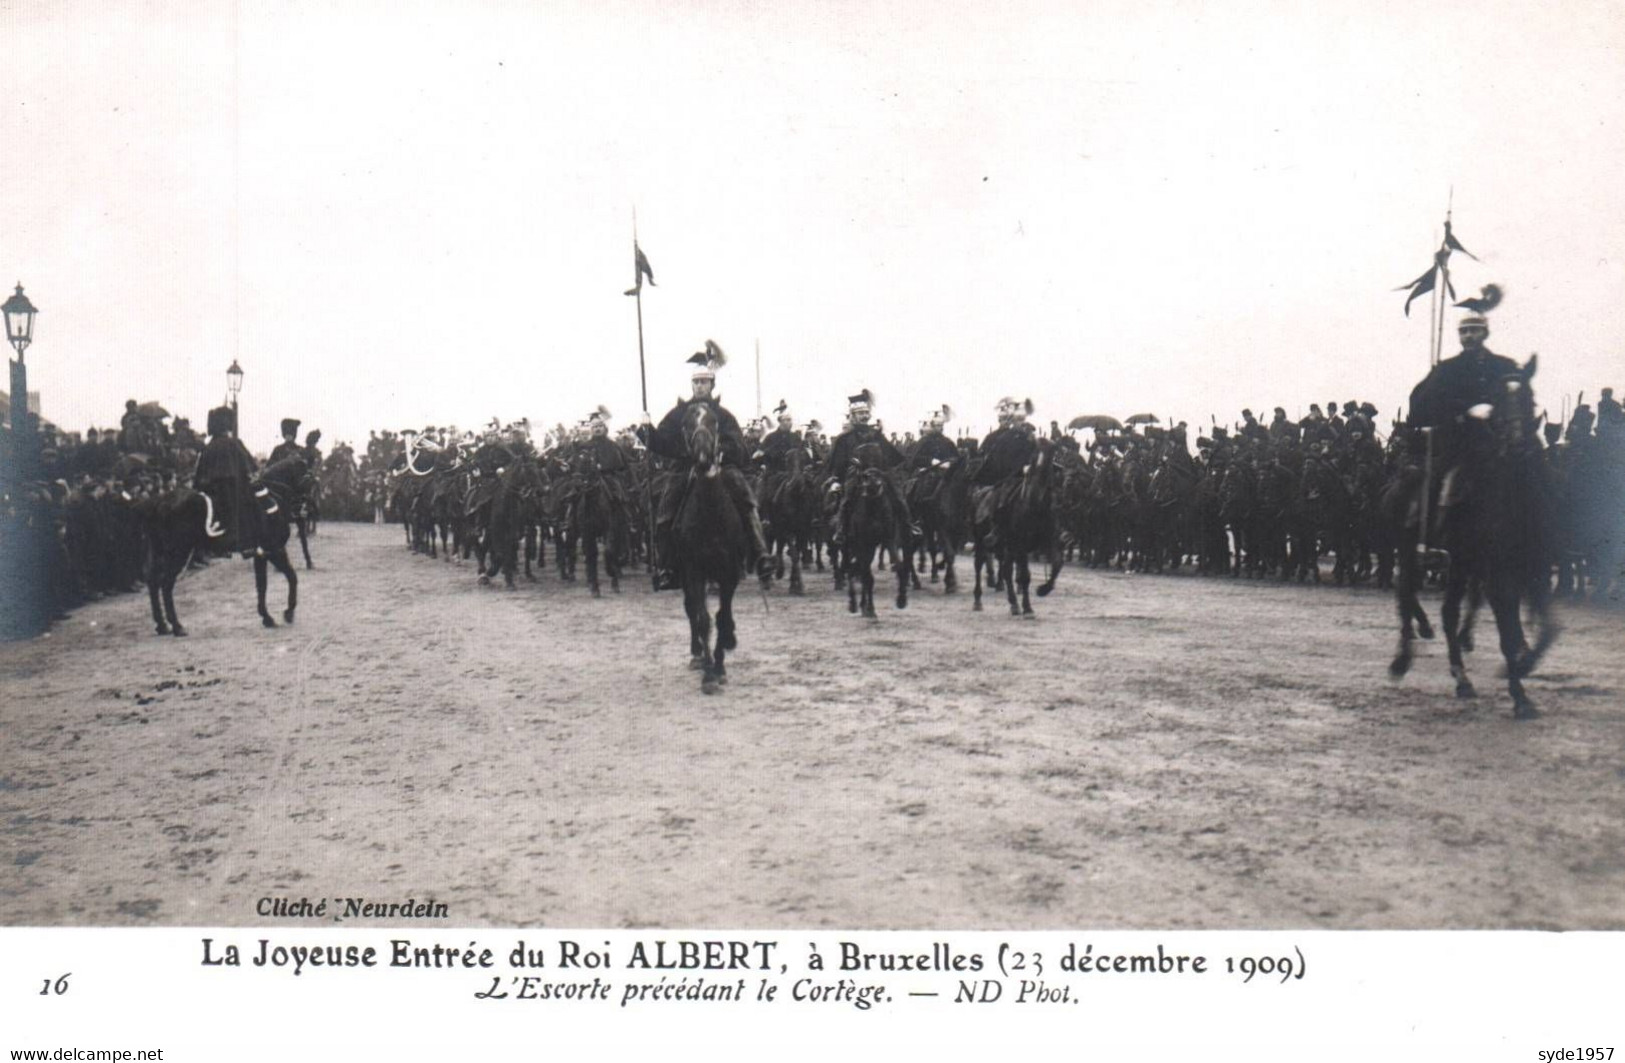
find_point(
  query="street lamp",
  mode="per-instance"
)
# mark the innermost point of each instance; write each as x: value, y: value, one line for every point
x: 234, y: 383
x: 19, y: 313
x: 25, y: 609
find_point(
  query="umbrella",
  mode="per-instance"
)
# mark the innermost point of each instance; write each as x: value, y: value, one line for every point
x: 1098, y: 421
x: 153, y: 410
x: 1144, y: 418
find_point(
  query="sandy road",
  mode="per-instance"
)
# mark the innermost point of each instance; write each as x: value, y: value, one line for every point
x: 1152, y: 751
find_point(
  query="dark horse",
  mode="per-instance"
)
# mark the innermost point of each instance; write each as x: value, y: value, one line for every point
x: 1027, y: 523
x: 939, y: 499
x: 792, y: 513
x: 597, y: 516
x: 708, y: 546
x: 871, y: 525
x: 1494, y: 535
x: 176, y: 529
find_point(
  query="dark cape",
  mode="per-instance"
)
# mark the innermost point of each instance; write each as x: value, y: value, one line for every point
x: 224, y: 470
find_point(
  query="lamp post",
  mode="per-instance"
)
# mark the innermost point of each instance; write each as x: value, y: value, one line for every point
x: 234, y: 384
x: 19, y: 314
x: 24, y: 606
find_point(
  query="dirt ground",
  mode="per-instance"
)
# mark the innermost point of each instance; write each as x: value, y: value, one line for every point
x: 1149, y: 752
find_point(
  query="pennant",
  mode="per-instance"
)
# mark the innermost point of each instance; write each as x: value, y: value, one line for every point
x: 1420, y: 286
x: 640, y: 269
x: 1453, y: 244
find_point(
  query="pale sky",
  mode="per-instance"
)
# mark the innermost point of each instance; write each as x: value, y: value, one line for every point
x: 395, y: 214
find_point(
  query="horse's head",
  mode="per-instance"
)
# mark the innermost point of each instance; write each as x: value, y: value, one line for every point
x: 1510, y: 419
x: 700, y: 437
x: 1038, y: 477
x: 871, y: 483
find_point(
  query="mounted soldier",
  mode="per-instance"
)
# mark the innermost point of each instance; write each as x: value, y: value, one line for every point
x: 775, y: 450
x: 223, y: 475
x: 934, y: 449
x: 1006, y: 453
x: 865, y: 446
x: 289, y: 447
x: 1445, y: 399
x: 666, y: 440
x: 605, y: 456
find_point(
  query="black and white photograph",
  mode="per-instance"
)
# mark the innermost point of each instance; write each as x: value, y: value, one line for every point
x: 813, y: 467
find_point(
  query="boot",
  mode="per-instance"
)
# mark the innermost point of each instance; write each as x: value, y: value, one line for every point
x: 665, y: 577
x: 758, y: 545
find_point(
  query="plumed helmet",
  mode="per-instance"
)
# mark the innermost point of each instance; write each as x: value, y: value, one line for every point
x: 863, y: 400
x: 1488, y: 299
x: 708, y: 361
x: 290, y: 426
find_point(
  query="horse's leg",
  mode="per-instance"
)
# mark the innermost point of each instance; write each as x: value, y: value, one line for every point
x: 727, y: 634
x: 1455, y: 591
x: 978, y: 559
x: 259, y: 590
x: 153, y: 573
x: 1024, y: 576
x: 798, y: 544
x: 1007, y: 576
x: 1475, y: 599
x: 1056, y: 560
x: 508, y: 549
x: 1503, y: 595
x: 906, y: 575
x: 168, y: 574
x: 867, y: 576
x: 696, y: 645
x: 303, y: 545
x: 950, y: 582
x: 701, y: 625
x: 279, y: 558
x: 591, y: 548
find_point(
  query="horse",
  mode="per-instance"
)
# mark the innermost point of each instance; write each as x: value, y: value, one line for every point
x: 791, y: 510
x: 509, y: 517
x: 709, y: 544
x: 938, y: 498
x: 596, y: 515
x: 1495, y: 535
x: 176, y: 529
x: 1025, y: 521
x: 870, y: 525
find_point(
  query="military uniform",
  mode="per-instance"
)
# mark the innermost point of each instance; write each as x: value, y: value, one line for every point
x: 865, y: 446
x: 933, y: 447
x: 288, y: 448
x: 224, y: 470
x: 1441, y: 401
x: 666, y: 440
